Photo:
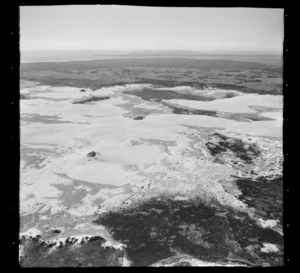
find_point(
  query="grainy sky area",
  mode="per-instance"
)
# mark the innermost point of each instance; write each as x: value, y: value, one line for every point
x: 155, y: 28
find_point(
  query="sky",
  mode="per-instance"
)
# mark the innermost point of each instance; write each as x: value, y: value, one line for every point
x: 116, y: 28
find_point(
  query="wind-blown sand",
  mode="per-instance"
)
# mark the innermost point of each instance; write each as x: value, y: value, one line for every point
x: 163, y: 152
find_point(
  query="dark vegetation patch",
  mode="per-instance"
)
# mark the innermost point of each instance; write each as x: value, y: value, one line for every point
x: 273, y: 69
x: 91, y: 154
x: 229, y: 95
x: 265, y: 195
x: 47, y: 119
x: 215, y: 149
x: 248, y: 116
x: 253, y: 80
x: 244, y: 89
x: 90, y: 100
x: 184, y: 111
x: 91, y: 253
x: 138, y: 118
x: 154, y: 229
x: 150, y: 94
x: 247, y: 234
x: 105, y: 82
x: 177, y: 71
x: 183, y: 264
x: 23, y: 97
x: 172, y: 83
x: 261, y: 109
x: 56, y: 231
x: 187, y: 111
x: 77, y: 82
x: 223, y: 143
x: 212, y: 113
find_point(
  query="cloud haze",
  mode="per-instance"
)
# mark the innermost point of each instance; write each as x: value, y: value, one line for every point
x: 157, y: 28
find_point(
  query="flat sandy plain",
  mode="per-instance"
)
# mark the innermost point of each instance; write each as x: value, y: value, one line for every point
x: 151, y: 162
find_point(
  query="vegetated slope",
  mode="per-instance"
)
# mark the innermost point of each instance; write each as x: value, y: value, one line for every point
x: 246, y: 77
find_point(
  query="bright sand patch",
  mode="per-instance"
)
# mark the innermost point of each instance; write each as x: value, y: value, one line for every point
x: 267, y: 248
x: 100, y: 172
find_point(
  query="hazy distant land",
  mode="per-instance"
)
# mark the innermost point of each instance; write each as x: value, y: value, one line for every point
x: 270, y: 58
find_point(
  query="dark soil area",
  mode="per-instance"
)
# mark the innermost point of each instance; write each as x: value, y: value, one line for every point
x: 166, y: 72
x: 90, y: 100
x: 243, y: 117
x: 149, y: 94
x: 80, y: 83
x: 252, y: 117
x: 263, y: 194
x: 235, y: 145
x: 46, y: 119
x: 23, y: 97
x: 172, y: 83
x: 185, y: 111
x: 153, y: 229
x: 138, y: 118
x: 248, y: 235
x: 91, y: 154
x: 89, y: 254
x: 244, y: 89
